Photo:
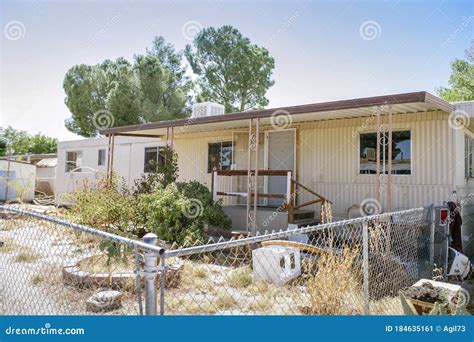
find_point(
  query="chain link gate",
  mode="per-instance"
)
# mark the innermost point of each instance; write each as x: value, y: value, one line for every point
x: 351, y: 267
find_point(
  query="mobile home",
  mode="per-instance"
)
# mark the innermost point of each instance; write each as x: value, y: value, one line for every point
x: 277, y: 166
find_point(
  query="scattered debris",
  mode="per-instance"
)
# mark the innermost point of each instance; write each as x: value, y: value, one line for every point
x: 42, y: 198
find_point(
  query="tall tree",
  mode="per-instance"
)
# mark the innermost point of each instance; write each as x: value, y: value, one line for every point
x: 15, y: 142
x: 461, y: 80
x: 172, y: 61
x: 153, y: 88
x: 230, y: 69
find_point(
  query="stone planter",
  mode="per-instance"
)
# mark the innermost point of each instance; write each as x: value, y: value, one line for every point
x: 73, y: 275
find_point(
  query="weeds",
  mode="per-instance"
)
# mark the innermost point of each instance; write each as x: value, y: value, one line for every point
x: 200, y: 272
x: 334, y: 285
x: 26, y: 257
x: 240, y: 278
x: 225, y: 302
x: 37, y: 279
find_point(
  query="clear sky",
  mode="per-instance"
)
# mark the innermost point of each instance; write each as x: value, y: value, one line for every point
x: 323, y: 50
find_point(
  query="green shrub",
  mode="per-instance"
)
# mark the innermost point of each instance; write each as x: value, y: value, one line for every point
x: 106, y: 205
x: 164, y: 174
x: 212, y: 212
x: 179, y: 213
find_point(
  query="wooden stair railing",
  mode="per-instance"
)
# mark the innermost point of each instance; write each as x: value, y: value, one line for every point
x: 325, y: 203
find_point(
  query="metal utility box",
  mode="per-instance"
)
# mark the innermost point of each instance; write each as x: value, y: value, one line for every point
x: 276, y: 264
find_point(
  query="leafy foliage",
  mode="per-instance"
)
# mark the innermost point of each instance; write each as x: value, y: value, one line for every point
x: 106, y: 205
x: 212, y: 212
x: 180, y: 212
x: 17, y: 142
x: 461, y: 80
x: 166, y: 173
x: 231, y: 69
x: 151, y: 89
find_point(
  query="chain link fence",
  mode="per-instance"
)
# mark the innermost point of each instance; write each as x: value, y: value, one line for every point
x: 352, y: 267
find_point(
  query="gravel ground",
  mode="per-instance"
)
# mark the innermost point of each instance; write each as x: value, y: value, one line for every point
x: 31, y: 261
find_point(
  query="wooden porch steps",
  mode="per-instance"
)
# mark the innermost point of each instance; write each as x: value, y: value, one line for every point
x: 304, y: 217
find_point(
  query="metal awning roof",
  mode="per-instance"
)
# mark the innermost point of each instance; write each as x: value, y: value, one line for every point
x: 47, y: 162
x: 361, y: 107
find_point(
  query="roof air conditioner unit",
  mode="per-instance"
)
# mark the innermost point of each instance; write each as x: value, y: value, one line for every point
x: 203, y: 109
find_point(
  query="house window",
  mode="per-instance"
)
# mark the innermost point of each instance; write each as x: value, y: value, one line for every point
x: 101, y: 157
x: 153, y: 158
x: 219, y: 156
x: 469, y: 154
x: 401, y: 153
x: 73, y: 161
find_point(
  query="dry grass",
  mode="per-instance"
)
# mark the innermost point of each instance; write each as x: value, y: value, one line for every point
x: 37, y: 279
x: 8, y: 245
x: 100, y: 264
x: 225, y: 302
x: 190, y: 307
x: 258, y: 287
x: 27, y: 257
x: 333, y: 287
x: 262, y: 304
x: 240, y: 278
x: 201, y: 272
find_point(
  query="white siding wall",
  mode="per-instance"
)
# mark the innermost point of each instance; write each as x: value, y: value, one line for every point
x: 129, y: 154
x: 328, y: 160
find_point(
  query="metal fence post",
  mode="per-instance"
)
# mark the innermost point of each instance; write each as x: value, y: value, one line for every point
x: 162, y: 283
x: 365, y: 265
x: 432, y: 236
x: 150, y: 271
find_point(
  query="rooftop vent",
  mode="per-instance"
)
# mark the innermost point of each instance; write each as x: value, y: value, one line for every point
x: 207, y: 109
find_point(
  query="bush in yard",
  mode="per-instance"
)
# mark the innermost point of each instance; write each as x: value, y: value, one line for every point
x: 165, y: 173
x: 106, y: 205
x: 179, y: 213
x: 210, y: 211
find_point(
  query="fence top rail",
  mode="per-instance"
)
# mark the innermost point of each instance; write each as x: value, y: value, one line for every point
x: 210, y: 246
x: 283, y: 234
x: 109, y: 236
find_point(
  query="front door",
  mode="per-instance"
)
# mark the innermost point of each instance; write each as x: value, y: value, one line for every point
x: 280, y: 154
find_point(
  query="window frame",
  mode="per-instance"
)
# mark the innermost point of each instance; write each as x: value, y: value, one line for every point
x: 231, y: 145
x: 158, y: 159
x: 393, y: 174
x: 99, y: 160
x: 68, y: 162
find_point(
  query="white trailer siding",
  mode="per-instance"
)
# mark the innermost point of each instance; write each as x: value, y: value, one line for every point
x: 17, y: 181
x: 128, y: 162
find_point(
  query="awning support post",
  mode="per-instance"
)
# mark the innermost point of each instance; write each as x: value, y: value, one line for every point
x: 255, y: 182
x: 249, y: 174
